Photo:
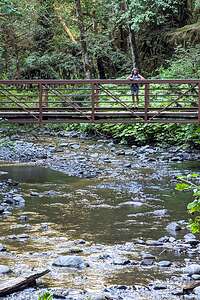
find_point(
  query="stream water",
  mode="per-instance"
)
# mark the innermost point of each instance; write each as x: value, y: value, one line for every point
x: 94, y: 217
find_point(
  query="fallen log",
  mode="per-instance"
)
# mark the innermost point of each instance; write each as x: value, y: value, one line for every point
x: 14, y: 285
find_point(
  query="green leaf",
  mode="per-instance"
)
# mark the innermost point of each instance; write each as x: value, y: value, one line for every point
x: 182, y: 186
x: 194, y: 206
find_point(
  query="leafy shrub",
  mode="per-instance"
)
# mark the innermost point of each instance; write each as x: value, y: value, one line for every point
x: 188, y: 183
x: 46, y: 296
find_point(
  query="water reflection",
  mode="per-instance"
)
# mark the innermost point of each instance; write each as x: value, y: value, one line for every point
x: 103, y: 213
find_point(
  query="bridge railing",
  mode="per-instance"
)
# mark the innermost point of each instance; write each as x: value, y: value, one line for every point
x: 91, y: 99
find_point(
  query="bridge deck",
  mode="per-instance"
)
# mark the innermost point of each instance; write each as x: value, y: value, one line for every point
x: 99, y: 101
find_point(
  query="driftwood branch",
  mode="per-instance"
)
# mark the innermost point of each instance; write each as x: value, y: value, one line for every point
x: 15, y: 285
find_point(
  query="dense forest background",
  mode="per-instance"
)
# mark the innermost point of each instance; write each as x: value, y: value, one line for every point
x: 99, y: 38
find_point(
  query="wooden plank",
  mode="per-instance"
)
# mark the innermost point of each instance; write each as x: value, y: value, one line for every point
x: 14, y: 285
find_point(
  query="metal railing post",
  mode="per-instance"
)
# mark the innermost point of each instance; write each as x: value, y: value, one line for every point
x: 146, y: 101
x: 40, y: 103
x: 97, y: 96
x: 199, y: 103
x: 95, y: 99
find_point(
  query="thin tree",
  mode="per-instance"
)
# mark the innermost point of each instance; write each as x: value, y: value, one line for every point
x: 131, y: 37
x: 83, y: 41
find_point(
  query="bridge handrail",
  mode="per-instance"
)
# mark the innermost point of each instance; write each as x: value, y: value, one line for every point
x: 45, y: 88
x: 100, y: 81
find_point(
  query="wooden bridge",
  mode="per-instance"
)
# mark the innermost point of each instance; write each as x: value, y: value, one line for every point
x: 99, y: 101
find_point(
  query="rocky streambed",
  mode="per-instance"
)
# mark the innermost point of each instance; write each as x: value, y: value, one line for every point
x: 104, y: 218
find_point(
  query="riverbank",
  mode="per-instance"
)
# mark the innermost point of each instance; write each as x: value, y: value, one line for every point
x: 160, y: 135
x: 116, y: 213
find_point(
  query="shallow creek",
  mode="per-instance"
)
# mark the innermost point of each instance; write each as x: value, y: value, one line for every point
x: 94, y: 217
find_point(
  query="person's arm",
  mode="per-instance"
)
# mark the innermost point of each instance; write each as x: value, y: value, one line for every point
x: 129, y: 77
x: 141, y: 77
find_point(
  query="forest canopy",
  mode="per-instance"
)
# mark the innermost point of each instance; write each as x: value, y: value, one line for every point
x: 94, y: 38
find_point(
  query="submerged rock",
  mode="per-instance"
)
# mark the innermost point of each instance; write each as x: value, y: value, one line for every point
x: 173, y: 227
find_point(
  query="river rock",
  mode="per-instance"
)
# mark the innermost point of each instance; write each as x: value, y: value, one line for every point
x: 64, y: 145
x: 1, y: 209
x: 158, y: 287
x: 164, y: 264
x: 120, y: 152
x: 105, y: 256
x: 131, y: 203
x: 2, y: 248
x: 153, y: 243
x: 75, y: 146
x: 173, y: 227
x: 127, y: 165
x: 164, y: 239
x: 69, y: 261
x: 197, y: 291
x: 4, y: 269
x: 196, y: 276
x: 160, y: 212
x: 148, y: 256
x: 191, y: 239
x: 3, y: 173
x: 147, y: 262
x: 19, y: 199
x: 121, y: 262
x: 34, y: 194
x: 192, y: 269
x: 75, y: 250
x: 23, y: 219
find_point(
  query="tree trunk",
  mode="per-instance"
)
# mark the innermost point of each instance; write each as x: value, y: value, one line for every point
x: 65, y: 27
x: 101, y: 68
x: 86, y: 63
x: 131, y: 38
x: 134, y: 48
x: 99, y: 59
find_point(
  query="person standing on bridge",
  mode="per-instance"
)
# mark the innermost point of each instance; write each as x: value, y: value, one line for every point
x: 135, y: 86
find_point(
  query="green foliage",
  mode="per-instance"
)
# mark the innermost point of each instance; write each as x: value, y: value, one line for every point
x: 35, y: 44
x: 188, y: 183
x: 142, y: 134
x: 8, y: 8
x: 46, y: 296
x: 182, y: 186
x: 155, y: 12
x: 184, y: 65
